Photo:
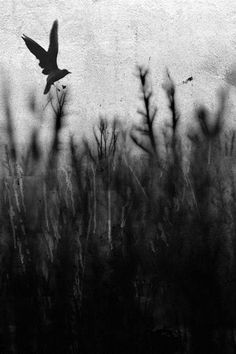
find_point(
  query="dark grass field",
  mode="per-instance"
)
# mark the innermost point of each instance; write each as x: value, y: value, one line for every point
x: 130, y: 246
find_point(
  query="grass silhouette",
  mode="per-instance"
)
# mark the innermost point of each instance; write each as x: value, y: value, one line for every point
x: 116, y: 252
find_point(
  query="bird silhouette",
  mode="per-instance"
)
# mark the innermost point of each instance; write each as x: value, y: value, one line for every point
x: 48, y: 59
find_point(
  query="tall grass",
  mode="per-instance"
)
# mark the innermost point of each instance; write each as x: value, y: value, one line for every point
x: 118, y: 252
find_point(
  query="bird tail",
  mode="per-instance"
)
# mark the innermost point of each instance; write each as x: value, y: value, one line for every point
x: 47, y: 88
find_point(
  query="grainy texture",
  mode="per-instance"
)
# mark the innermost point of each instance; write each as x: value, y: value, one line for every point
x: 102, y: 41
x: 127, y: 245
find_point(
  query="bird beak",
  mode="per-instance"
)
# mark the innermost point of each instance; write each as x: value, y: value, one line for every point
x: 69, y: 72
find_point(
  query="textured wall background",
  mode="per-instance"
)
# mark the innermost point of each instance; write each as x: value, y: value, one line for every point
x: 102, y: 41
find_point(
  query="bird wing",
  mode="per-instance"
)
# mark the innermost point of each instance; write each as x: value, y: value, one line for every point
x: 47, y: 60
x: 37, y: 50
x: 53, y: 45
x: 40, y: 53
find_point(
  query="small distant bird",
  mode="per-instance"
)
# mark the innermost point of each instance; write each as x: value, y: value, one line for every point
x: 187, y: 80
x: 48, y: 59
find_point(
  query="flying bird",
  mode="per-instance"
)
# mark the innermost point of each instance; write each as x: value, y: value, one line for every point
x: 48, y: 59
x: 187, y: 80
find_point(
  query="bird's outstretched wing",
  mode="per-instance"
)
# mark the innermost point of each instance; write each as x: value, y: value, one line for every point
x: 53, y: 44
x: 47, y: 60
x: 37, y: 50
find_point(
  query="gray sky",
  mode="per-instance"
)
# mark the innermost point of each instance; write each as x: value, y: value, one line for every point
x: 102, y: 41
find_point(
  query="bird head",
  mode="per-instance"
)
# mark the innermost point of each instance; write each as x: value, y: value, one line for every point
x: 65, y: 72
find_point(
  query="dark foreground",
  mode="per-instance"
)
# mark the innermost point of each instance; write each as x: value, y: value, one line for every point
x: 116, y: 252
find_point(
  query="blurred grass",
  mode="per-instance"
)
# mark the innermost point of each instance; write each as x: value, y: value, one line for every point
x: 116, y: 252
